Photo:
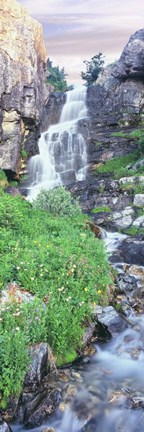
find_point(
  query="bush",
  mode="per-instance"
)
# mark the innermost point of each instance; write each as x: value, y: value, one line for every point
x: 58, y: 202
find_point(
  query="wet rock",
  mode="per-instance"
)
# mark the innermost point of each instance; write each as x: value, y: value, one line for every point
x: 48, y: 430
x: 68, y: 177
x: 130, y: 251
x: 139, y: 200
x: 126, y: 283
x: 42, y: 412
x: 4, y: 426
x: 138, y: 401
x: 109, y: 318
x: 39, y: 366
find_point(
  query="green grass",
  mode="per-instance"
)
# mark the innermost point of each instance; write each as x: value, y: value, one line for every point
x: 134, y: 231
x: 133, y: 187
x: 64, y: 266
x: 103, y: 209
x: 117, y: 166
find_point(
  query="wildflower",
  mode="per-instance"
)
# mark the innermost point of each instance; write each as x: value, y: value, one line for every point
x: 16, y: 314
x: 17, y: 328
x: 99, y: 292
x: 32, y: 278
x: 85, y: 289
x: 18, y: 268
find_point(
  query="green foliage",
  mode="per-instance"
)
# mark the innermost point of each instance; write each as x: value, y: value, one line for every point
x: 56, y: 77
x: 101, y: 209
x: 118, y: 166
x: 64, y: 266
x: 134, y: 231
x: 134, y: 188
x: 20, y: 325
x: 58, y: 202
x: 93, y: 68
x: 137, y: 134
x: 3, y: 179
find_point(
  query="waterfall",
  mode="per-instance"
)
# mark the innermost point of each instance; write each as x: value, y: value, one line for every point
x: 62, y: 154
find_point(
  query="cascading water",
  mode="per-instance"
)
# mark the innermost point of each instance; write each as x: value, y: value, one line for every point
x: 62, y: 149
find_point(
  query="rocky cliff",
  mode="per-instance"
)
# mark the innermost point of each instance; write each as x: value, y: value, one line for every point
x: 114, y: 130
x: 22, y: 83
x: 116, y: 102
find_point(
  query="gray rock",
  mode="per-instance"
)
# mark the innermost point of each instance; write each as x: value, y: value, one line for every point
x: 130, y: 251
x: 124, y: 218
x: 23, y: 90
x: 4, y: 427
x: 139, y: 200
x: 110, y: 319
x: 139, y: 222
x: 39, y: 365
x: 131, y: 179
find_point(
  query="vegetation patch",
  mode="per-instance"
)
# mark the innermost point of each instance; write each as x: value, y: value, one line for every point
x: 103, y: 209
x: 134, y: 231
x: 3, y: 179
x: 118, y: 166
x: 66, y: 269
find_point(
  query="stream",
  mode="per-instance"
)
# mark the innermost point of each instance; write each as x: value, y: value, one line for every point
x: 110, y: 392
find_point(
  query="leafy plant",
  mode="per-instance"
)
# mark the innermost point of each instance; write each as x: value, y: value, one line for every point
x: 58, y: 202
x: 56, y: 77
x: 93, y: 68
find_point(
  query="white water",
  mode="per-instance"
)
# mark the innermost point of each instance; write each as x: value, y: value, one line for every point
x: 62, y: 154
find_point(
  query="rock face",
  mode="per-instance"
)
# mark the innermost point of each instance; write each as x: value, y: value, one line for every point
x: 116, y: 103
x: 22, y: 78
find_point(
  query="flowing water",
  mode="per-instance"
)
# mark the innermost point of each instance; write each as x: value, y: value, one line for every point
x: 110, y: 396
x: 62, y: 154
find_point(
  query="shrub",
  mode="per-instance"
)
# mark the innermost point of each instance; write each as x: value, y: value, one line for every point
x: 58, y: 202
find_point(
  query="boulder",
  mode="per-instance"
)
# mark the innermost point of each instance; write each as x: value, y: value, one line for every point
x: 139, y: 200
x: 109, y: 318
x: 130, y: 251
x: 38, y: 367
x: 4, y: 427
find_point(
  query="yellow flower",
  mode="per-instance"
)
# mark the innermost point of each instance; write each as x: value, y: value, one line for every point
x: 85, y: 289
x: 99, y: 292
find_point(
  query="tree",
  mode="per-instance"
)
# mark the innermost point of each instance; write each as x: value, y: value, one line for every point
x: 56, y: 77
x: 93, y: 68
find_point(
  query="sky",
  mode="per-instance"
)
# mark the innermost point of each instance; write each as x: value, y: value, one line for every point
x: 75, y: 30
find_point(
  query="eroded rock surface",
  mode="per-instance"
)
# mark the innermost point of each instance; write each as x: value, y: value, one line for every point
x: 22, y: 83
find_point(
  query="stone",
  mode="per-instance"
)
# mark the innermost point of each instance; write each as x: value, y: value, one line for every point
x: 139, y: 222
x: 49, y: 429
x: 126, y: 283
x: 68, y: 177
x: 124, y: 218
x: 4, y: 427
x: 130, y: 251
x: 139, y: 200
x: 109, y: 318
x: 132, y: 179
x: 23, y: 90
x: 38, y: 367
